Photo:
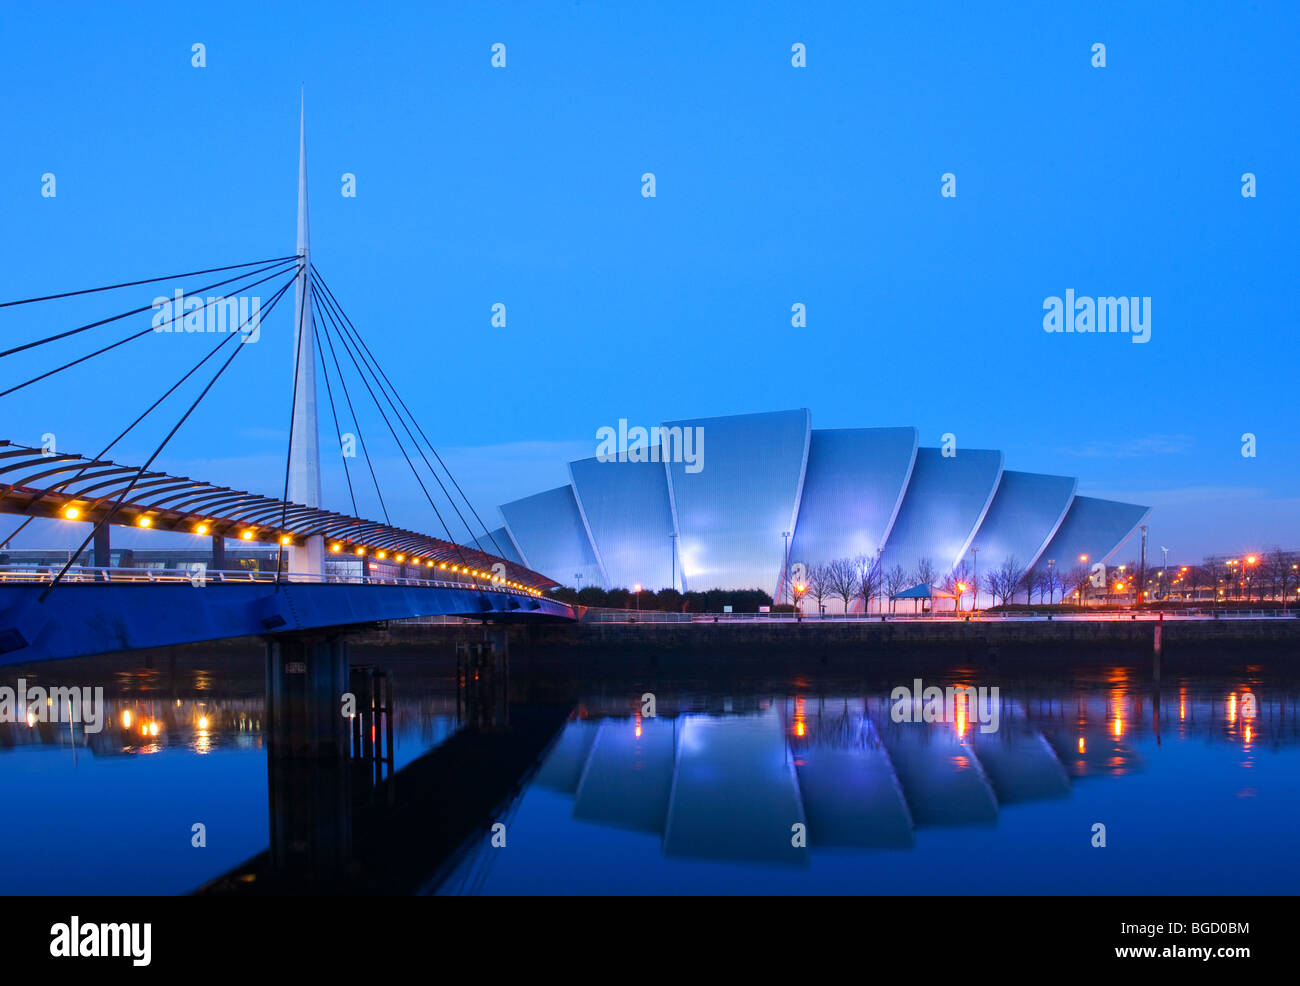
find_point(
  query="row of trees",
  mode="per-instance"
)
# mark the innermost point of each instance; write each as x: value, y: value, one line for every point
x: 864, y: 579
x: 861, y: 582
x: 1271, y: 575
x: 666, y: 600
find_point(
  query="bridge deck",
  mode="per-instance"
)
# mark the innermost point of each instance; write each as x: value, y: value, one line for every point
x: 100, y: 611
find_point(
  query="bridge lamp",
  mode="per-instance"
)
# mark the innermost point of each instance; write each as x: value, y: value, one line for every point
x: 382, y: 555
x: 400, y: 558
x: 336, y: 548
x: 201, y: 529
x: 143, y: 522
x: 442, y: 565
x: 361, y: 552
x: 455, y: 568
x: 72, y: 513
x: 430, y: 563
x: 247, y: 535
x: 285, y: 539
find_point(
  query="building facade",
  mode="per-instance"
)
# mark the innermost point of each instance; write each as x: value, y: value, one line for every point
x: 762, y: 494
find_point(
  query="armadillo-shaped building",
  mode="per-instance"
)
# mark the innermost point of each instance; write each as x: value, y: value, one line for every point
x: 759, y: 485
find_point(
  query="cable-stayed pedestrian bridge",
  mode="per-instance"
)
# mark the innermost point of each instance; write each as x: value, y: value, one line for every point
x: 332, y: 569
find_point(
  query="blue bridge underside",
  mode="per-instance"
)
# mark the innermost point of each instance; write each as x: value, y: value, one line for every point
x: 78, y: 620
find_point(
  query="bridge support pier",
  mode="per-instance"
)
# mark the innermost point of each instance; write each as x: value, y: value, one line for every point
x: 307, y: 753
x: 101, y: 554
x: 218, y: 553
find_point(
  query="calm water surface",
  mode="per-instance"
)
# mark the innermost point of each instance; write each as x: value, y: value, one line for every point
x: 1197, y: 782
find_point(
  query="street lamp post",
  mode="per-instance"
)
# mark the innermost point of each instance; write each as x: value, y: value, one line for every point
x: 1087, y: 578
x: 785, y: 572
x: 975, y: 599
x: 672, y: 540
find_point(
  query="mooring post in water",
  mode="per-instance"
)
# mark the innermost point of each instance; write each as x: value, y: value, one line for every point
x: 1157, y: 646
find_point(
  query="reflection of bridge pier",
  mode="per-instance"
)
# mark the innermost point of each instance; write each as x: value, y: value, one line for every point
x: 307, y: 744
x: 483, y: 680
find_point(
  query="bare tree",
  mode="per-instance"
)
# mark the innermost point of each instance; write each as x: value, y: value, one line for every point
x: 868, y: 569
x: 1281, y: 569
x: 1073, y: 580
x: 896, y: 580
x: 1031, y: 582
x: 926, y: 573
x: 819, y: 584
x: 842, y: 578
x: 1003, y: 581
x: 1210, y: 575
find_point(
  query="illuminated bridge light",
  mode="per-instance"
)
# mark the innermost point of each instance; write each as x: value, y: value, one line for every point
x: 400, y: 558
x: 143, y: 522
x: 200, y: 528
x: 361, y: 552
x: 443, y: 565
x: 247, y: 535
x: 285, y: 539
x: 336, y: 548
x: 72, y: 513
x: 382, y: 555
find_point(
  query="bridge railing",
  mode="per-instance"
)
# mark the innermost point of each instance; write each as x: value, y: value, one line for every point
x: 602, y: 615
x: 44, y: 574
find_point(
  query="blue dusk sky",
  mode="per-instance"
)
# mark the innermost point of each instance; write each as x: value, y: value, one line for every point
x: 775, y: 185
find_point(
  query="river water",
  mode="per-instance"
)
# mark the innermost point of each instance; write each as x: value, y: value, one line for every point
x: 1088, y: 779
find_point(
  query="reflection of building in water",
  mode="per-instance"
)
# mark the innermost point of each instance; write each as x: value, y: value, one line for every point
x: 732, y: 786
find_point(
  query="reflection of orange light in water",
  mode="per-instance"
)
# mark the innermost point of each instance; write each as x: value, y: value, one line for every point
x: 126, y: 718
x: 153, y: 729
x: 1232, y: 707
x: 800, y: 717
x: 638, y: 727
x: 1249, y: 733
x: 1083, y: 747
x: 960, y: 710
x: 798, y: 727
x: 1119, y: 726
x: 144, y: 729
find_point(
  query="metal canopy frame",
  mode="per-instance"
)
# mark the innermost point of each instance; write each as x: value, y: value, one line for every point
x: 180, y: 504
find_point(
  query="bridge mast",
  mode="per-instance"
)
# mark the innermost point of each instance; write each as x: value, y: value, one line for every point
x: 304, y: 464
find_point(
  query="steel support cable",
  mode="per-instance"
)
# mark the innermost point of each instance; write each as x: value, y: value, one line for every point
x: 281, y: 265
x: 145, y: 468
x: 338, y: 431
x: 343, y: 336
x: 147, y: 280
x: 379, y: 407
x: 415, y: 443
x: 356, y: 422
x: 317, y: 278
x: 115, y: 345
x: 149, y: 410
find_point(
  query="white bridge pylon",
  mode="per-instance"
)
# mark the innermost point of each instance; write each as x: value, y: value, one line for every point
x: 304, y: 458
